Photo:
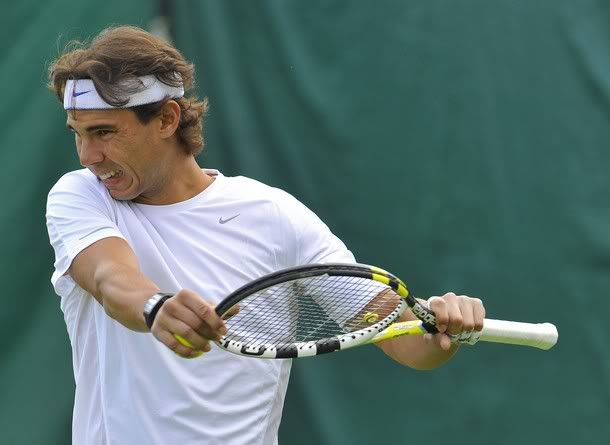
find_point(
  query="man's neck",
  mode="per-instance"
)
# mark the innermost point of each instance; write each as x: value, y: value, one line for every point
x: 184, y: 181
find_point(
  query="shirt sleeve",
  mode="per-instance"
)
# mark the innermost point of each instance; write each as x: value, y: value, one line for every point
x: 307, y: 239
x: 78, y: 214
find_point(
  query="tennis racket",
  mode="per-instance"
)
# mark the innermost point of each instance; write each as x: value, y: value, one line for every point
x: 320, y: 308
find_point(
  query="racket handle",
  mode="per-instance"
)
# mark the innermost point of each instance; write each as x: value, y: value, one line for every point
x: 537, y: 335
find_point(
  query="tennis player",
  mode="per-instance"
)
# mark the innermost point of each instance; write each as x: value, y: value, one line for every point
x: 141, y: 220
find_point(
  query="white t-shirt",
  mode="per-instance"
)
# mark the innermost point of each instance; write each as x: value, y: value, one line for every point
x: 130, y: 388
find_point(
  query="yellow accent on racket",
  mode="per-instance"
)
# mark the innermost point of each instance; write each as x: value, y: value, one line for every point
x: 381, y: 275
x: 378, y: 270
x: 402, y: 289
x: 401, y: 328
x: 381, y: 278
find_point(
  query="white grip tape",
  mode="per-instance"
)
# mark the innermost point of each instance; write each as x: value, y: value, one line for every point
x: 537, y: 335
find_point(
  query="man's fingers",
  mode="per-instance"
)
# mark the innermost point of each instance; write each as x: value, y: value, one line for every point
x: 454, y: 311
x: 175, y: 310
x: 455, y: 315
x: 479, y: 314
x: 467, y: 310
x: 440, y: 307
x: 177, y: 346
x: 186, y: 323
x: 208, y: 323
x: 203, y: 346
x: 183, y: 341
x: 444, y: 341
x: 186, y: 336
x: 448, y: 314
x: 234, y: 310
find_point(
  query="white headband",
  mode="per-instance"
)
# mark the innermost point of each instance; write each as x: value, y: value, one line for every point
x: 80, y: 94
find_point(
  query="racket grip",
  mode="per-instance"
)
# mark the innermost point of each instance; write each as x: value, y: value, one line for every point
x: 537, y: 335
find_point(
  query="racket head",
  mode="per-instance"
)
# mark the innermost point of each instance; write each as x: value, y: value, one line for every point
x: 311, y: 310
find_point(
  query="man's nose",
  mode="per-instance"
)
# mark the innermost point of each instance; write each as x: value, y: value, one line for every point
x: 89, y: 152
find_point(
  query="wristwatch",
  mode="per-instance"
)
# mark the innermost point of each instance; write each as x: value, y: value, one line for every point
x: 152, y: 306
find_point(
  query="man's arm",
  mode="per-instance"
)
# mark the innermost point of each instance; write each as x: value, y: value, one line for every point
x: 109, y: 270
x: 454, y: 314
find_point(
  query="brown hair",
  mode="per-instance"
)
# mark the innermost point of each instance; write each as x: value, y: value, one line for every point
x: 113, y: 61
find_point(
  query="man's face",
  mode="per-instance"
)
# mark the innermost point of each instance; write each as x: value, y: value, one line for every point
x: 121, y: 151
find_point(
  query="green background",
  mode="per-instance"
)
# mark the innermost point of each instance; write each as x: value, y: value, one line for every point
x: 462, y: 145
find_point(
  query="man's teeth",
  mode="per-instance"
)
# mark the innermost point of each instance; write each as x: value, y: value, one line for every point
x: 109, y: 174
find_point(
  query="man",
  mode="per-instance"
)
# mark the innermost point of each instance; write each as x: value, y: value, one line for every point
x: 142, y: 219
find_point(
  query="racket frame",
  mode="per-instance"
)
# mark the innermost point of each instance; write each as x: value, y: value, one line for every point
x: 335, y: 343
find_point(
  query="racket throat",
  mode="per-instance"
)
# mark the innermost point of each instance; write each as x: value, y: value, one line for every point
x: 426, y: 316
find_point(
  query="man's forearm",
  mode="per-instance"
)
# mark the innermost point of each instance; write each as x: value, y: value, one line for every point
x: 109, y: 270
x: 122, y: 291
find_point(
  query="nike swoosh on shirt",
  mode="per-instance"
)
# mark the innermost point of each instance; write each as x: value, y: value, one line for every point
x: 224, y: 221
x: 79, y: 93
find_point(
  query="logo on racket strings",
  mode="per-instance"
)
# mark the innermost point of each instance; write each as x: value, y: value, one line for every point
x: 370, y: 317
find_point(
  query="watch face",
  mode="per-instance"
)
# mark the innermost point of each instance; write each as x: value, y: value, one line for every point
x: 150, y: 303
x: 152, y: 306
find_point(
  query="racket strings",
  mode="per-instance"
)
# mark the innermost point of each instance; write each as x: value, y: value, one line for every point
x: 310, y: 309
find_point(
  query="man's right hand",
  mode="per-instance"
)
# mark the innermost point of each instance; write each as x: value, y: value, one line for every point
x: 193, y: 319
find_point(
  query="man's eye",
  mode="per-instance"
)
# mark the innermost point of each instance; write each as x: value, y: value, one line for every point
x: 103, y: 132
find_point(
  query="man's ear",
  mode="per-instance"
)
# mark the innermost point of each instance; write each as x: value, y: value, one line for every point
x: 169, y: 117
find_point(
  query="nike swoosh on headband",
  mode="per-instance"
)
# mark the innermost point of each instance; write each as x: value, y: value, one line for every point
x: 80, y: 93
